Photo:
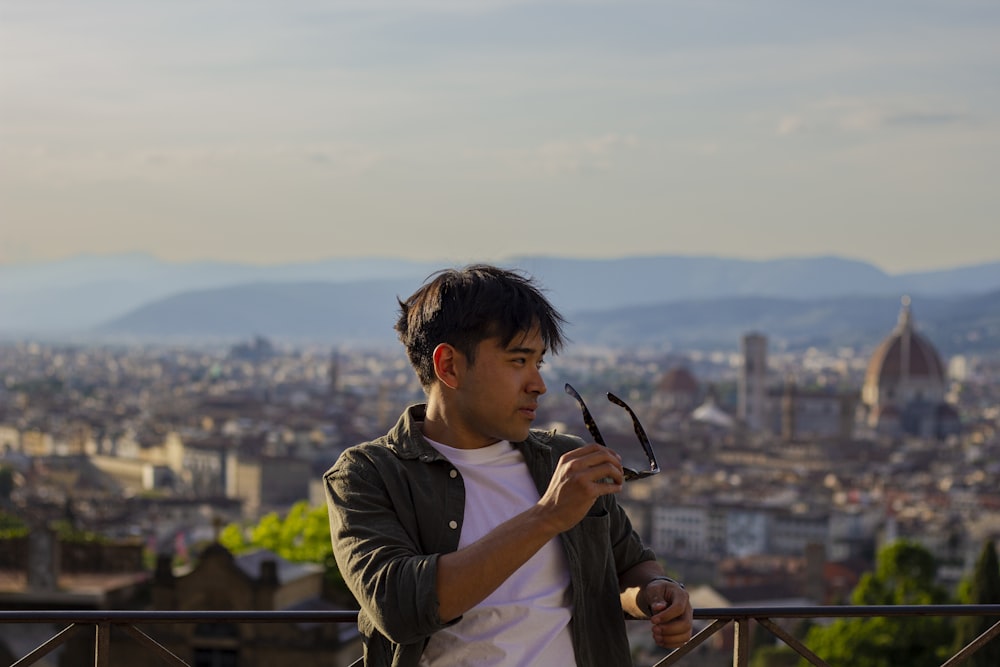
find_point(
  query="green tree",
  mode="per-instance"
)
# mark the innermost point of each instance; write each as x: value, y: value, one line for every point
x: 233, y: 538
x: 904, y: 575
x: 267, y: 533
x: 983, y: 587
x: 302, y: 536
x: 12, y: 526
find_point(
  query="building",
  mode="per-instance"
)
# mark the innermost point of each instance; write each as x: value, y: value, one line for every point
x: 905, y: 385
x: 797, y: 413
x: 219, y: 581
x: 677, y: 390
x: 752, y: 388
x: 267, y: 483
x: 41, y: 572
x: 712, y: 530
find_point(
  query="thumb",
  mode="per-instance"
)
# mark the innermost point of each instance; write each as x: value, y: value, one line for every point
x: 655, y: 599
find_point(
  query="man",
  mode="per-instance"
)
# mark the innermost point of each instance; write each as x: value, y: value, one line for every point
x: 469, y: 538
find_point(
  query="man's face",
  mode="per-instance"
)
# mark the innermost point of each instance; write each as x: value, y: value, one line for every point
x: 497, y: 394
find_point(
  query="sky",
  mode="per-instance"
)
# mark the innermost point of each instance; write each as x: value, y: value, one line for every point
x: 464, y: 130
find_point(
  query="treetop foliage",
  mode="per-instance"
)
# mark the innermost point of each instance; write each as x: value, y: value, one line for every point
x: 302, y: 535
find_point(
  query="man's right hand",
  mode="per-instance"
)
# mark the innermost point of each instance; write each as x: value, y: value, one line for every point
x: 580, y: 477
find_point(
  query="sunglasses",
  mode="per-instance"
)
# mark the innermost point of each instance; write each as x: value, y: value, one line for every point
x: 640, y: 433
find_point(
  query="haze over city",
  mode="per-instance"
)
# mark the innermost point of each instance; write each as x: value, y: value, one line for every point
x: 266, y: 133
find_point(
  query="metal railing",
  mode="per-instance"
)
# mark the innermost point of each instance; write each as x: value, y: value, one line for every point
x: 101, y: 623
x: 741, y: 617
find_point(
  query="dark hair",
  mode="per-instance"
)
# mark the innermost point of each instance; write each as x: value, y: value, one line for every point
x: 463, y: 307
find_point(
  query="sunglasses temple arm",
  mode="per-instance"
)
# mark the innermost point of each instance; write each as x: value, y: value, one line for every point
x: 588, y: 420
x: 640, y: 432
x: 592, y: 426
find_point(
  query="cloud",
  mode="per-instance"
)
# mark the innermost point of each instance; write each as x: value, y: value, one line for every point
x: 860, y: 115
x: 789, y: 125
x: 593, y: 154
x: 926, y: 118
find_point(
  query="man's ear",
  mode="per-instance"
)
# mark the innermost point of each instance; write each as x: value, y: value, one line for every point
x: 447, y: 363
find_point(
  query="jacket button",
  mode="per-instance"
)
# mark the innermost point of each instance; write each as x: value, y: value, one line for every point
x: 453, y: 525
x: 454, y: 474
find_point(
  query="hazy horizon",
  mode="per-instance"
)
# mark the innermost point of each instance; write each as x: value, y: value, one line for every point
x: 145, y: 254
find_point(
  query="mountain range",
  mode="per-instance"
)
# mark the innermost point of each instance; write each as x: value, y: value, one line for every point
x: 676, y: 300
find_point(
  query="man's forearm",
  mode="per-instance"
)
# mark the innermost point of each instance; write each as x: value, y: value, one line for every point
x: 467, y: 576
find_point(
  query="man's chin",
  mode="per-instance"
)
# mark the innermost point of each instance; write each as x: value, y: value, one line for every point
x: 519, y: 436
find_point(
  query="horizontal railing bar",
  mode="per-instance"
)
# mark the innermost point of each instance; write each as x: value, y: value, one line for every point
x: 156, y: 616
x: 720, y: 616
x: 347, y: 616
x: 849, y: 611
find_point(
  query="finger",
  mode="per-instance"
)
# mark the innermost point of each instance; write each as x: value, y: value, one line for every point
x: 591, y: 456
x: 598, y: 465
x: 580, y: 452
x: 672, y: 610
x: 672, y: 641
x: 673, y: 634
x: 655, y: 598
x: 674, y: 624
x: 665, y: 617
x: 679, y: 628
x: 607, y: 474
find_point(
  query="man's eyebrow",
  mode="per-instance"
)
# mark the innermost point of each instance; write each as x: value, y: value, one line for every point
x: 526, y: 350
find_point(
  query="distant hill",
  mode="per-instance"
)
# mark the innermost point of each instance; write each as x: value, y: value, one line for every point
x: 357, y: 312
x: 954, y: 324
x: 365, y: 312
x: 81, y: 293
x: 579, y: 283
x: 132, y: 293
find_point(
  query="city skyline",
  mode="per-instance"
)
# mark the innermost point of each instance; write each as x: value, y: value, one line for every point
x: 433, y: 130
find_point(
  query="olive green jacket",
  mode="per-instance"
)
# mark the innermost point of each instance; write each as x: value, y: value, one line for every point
x: 396, y: 504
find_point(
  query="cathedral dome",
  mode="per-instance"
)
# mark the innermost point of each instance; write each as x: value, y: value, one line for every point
x: 905, y: 385
x: 678, y: 380
x: 904, y: 355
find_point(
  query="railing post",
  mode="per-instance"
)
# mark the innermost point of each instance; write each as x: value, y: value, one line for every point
x: 741, y: 643
x: 102, y: 645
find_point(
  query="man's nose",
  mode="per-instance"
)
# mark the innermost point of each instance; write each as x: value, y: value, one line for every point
x: 537, y: 383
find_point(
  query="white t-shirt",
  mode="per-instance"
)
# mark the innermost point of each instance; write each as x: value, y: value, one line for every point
x: 526, y: 620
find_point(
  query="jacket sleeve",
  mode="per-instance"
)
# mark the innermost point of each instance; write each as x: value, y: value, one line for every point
x: 378, y: 555
x: 626, y: 545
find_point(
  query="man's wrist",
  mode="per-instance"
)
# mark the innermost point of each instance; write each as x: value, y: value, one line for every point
x: 663, y: 578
